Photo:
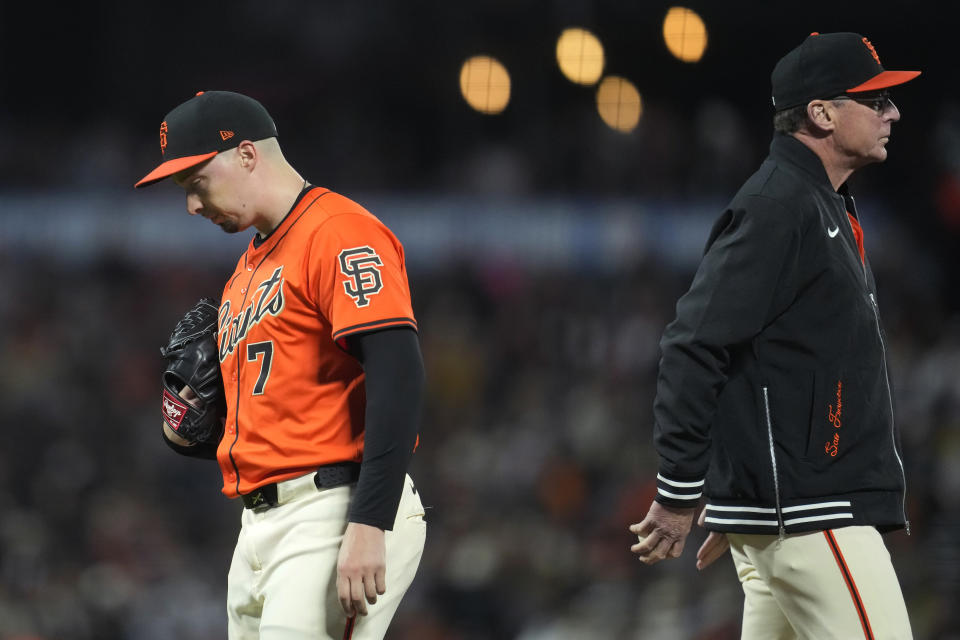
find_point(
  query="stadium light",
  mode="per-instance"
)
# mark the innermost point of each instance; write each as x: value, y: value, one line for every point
x: 685, y: 34
x: 580, y: 56
x: 485, y: 84
x: 619, y: 103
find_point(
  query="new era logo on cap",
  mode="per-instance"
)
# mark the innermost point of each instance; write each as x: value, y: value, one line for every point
x: 828, y: 65
x: 205, y: 125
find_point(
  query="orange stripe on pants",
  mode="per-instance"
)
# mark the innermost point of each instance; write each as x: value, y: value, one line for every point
x: 851, y: 584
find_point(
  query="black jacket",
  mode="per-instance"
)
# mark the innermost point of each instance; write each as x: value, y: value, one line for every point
x: 773, y: 397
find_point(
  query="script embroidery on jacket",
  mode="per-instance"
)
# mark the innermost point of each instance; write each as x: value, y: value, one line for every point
x: 834, y: 417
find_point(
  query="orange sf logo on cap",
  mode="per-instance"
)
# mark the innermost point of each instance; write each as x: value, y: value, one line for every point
x: 163, y: 137
x: 873, y: 51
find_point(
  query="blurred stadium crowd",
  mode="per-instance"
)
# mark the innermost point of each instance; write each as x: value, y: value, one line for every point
x: 535, y: 455
x: 535, y: 449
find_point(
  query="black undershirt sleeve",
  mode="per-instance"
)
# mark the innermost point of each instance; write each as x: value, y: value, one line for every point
x: 394, y: 371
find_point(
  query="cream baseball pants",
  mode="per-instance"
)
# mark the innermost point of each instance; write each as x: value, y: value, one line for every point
x: 282, y: 583
x: 837, y: 584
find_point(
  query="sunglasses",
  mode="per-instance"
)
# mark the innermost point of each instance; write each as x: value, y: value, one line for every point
x: 879, y: 103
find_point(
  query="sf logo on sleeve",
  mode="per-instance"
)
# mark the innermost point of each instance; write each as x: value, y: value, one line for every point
x: 361, y: 265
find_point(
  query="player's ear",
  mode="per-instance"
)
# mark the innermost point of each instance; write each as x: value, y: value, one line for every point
x: 247, y: 154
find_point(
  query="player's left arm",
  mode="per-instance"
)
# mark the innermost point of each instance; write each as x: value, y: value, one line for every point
x: 393, y: 366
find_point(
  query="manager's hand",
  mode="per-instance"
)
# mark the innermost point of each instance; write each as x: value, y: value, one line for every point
x: 662, y: 533
x: 712, y: 548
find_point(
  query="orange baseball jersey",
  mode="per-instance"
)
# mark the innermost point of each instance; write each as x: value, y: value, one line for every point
x: 295, y: 397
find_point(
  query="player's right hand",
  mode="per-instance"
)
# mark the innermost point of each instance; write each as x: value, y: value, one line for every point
x: 361, y: 568
x: 662, y: 533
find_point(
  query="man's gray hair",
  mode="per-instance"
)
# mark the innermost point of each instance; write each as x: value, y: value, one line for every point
x: 790, y: 120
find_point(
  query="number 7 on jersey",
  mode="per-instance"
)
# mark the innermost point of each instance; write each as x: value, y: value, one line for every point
x: 253, y: 351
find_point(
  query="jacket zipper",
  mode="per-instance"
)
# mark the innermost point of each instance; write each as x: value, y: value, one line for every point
x: 893, y: 437
x: 773, y: 461
x: 886, y: 379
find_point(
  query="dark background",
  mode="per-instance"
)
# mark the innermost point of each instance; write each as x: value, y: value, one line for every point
x: 539, y: 316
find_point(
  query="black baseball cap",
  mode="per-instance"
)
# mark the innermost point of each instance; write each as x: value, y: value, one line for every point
x: 828, y: 65
x: 205, y: 125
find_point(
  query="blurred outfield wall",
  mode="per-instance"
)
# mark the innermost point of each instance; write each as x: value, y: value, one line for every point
x: 550, y: 232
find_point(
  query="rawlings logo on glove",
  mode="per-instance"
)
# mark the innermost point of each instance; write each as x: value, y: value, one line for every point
x: 173, y: 410
x: 191, y: 361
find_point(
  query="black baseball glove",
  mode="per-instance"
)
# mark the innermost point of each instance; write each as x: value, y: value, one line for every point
x: 192, y: 360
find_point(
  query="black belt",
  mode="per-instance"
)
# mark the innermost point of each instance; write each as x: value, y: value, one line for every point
x: 326, y: 477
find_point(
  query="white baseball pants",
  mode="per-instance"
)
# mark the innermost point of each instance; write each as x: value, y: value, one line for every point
x: 282, y: 583
x: 837, y: 584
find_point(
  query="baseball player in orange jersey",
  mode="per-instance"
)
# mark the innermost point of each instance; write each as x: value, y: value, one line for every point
x: 323, y: 379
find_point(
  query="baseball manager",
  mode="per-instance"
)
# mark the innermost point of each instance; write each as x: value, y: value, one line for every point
x: 773, y: 396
